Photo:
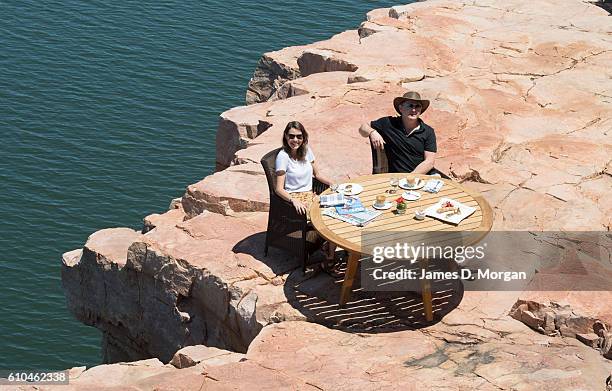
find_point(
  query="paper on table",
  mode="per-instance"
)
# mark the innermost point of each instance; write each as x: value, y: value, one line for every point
x: 351, y: 206
x: 359, y: 218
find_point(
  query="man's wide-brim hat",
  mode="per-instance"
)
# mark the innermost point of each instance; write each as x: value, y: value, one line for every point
x: 410, y: 96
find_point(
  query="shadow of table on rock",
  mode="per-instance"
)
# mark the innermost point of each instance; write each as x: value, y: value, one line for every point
x: 317, y: 299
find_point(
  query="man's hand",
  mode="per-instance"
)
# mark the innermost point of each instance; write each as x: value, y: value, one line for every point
x: 376, y: 140
x: 299, y: 206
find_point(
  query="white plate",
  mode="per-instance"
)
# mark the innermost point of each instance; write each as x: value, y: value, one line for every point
x: 404, y: 184
x: 357, y: 188
x: 386, y: 206
x: 466, y: 211
x: 411, y: 195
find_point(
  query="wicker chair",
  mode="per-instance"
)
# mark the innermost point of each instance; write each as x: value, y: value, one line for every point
x: 380, y: 164
x: 286, y: 228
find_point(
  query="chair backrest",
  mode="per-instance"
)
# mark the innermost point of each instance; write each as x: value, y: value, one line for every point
x: 268, y: 161
x: 380, y: 164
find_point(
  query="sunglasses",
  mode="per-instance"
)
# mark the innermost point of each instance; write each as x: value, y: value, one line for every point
x: 292, y: 136
x: 412, y: 105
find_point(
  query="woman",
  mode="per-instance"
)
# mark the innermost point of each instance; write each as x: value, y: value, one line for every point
x: 295, y: 167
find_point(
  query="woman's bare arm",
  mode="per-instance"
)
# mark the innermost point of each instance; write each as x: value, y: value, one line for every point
x: 317, y: 174
x: 284, y: 194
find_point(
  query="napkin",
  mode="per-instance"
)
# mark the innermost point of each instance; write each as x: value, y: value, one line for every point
x: 433, y: 186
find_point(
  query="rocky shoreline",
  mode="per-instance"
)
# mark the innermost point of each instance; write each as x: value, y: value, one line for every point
x: 522, y: 106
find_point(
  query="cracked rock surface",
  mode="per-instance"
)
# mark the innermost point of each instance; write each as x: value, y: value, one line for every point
x: 521, y: 100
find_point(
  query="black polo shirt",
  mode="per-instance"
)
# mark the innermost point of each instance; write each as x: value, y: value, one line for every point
x: 404, y: 152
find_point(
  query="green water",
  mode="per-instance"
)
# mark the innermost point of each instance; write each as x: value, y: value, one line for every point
x: 108, y: 110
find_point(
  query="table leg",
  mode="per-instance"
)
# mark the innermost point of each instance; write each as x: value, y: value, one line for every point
x: 426, y: 292
x: 349, y: 277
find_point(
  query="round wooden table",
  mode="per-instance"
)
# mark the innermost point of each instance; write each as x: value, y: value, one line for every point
x: 349, y: 236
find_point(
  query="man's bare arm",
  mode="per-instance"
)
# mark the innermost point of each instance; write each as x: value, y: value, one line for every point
x: 365, y: 130
x: 427, y: 164
x: 375, y: 138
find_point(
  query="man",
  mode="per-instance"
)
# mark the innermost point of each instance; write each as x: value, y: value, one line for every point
x: 408, y: 142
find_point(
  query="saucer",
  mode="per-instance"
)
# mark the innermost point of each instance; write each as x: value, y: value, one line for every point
x: 386, y: 206
x: 404, y: 184
x: 411, y: 195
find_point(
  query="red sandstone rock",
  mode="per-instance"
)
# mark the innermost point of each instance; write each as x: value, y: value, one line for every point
x: 314, y: 83
x: 227, y: 192
x: 236, y: 128
x: 205, y: 355
x: 171, y: 217
x: 387, y: 73
x: 589, y: 339
x: 524, y: 63
x: 204, y: 280
x: 411, y: 360
x: 272, y: 71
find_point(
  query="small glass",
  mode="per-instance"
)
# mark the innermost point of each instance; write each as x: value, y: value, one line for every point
x: 394, y: 182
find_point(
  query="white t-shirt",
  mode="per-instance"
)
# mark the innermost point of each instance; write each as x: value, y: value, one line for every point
x: 298, y: 174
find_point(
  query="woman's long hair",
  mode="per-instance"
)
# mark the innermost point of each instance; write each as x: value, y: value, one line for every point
x: 301, y: 151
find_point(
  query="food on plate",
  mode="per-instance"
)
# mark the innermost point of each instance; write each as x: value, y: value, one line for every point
x: 348, y: 188
x: 412, y: 181
x: 455, y: 211
x: 447, y: 206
